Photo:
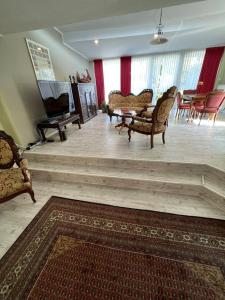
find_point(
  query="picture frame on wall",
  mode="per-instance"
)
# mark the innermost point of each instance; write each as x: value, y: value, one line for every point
x: 41, y: 60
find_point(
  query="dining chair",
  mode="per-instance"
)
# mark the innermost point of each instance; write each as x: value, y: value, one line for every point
x: 212, y: 104
x: 181, y: 106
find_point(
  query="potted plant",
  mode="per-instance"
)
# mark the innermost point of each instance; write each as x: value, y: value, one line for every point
x: 103, y: 107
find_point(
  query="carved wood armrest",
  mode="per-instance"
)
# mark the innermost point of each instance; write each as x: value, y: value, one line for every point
x: 23, y: 164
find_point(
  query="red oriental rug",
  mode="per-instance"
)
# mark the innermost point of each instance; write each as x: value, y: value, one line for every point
x: 80, y: 250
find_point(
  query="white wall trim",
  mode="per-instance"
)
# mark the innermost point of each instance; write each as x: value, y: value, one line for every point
x: 68, y: 46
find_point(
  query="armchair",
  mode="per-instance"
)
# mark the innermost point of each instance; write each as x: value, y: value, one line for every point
x: 158, y: 123
x: 13, y: 181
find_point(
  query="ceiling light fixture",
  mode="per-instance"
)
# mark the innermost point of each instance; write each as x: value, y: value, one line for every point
x: 96, y: 42
x: 158, y: 37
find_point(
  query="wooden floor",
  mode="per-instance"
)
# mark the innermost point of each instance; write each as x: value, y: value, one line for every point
x: 185, y: 142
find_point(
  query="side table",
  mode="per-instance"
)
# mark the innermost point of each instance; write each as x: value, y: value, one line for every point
x: 59, y: 124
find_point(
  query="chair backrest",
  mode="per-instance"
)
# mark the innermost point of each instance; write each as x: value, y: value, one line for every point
x: 163, y: 107
x: 179, y: 98
x: 118, y: 100
x: 8, y: 151
x: 215, y: 99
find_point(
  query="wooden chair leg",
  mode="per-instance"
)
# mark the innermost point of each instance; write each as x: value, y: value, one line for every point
x: 214, y: 118
x: 201, y: 114
x: 110, y: 118
x: 177, y: 113
x: 152, y: 140
x: 163, y: 137
x: 129, y: 134
x: 31, y: 192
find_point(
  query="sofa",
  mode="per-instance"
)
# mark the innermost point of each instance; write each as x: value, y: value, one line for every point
x: 138, y: 102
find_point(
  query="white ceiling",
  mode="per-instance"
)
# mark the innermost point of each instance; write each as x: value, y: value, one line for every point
x: 24, y: 15
x: 188, y: 26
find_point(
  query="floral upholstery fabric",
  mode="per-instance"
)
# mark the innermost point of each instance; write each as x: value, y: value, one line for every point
x: 117, y: 101
x: 6, y: 154
x: 146, y: 127
x: 147, y: 114
x: 11, y: 182
x: 161, y: 112
x: 164, y: 110
x: 24, y: 164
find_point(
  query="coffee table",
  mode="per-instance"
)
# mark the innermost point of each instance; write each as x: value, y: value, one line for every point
x: 124, y: 114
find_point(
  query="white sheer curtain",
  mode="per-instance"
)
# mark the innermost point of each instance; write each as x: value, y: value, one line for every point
x: 191, y: 69
x: 164, y: 72
x: 140, y: 73
x: 111, y: 70
x: 160, y: 71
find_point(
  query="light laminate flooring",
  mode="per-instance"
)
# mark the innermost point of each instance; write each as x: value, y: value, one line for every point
x: 185, y: 142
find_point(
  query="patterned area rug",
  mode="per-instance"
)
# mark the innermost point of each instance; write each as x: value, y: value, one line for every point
x: 80, y: 250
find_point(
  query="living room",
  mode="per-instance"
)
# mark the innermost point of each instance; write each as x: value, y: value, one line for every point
x: 112, y: 150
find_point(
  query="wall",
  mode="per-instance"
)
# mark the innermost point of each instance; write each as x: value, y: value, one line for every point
x: 18, y: 87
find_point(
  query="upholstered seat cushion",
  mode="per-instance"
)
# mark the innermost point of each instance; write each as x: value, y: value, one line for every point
x: 11, y: 182
x: 146, y: 127
x: 147, y: 114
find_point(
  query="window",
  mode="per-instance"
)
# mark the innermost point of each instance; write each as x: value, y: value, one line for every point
x: 192, y: 65
x: 140, y: 73
x: 111, y: 69
x: 164, y: 72
x: 161, y: 71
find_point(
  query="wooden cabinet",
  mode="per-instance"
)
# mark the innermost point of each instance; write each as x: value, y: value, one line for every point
x: 85, y: 100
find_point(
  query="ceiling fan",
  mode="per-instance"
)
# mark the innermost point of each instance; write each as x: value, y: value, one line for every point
x: 158, y: 37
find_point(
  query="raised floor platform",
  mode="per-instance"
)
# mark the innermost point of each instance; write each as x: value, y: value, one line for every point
x: 185, y: 176
x: 185, y: 142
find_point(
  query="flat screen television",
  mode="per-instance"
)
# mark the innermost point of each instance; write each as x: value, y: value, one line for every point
x: 57, y: 97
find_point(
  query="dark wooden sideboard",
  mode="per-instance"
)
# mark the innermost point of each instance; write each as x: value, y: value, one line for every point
x: 85, y: 100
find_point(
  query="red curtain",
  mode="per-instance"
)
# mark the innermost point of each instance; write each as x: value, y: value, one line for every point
x: 99, y: 76
x: 209, y: 69
x: 125, y: 75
